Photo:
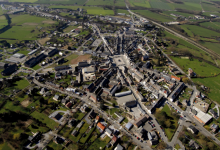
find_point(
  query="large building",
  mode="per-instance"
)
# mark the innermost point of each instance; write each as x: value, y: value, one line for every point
x: 176, y: 92
x: 9, y: 70
x: 34, y: 60
x: 141, y: 121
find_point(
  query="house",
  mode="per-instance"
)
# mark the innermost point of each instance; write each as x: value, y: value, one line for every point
x: 56, y: 97
x: 75, y: 133
x: 118, y: 147
x: 84, y: 108
x: 97, y: 119
x: 58, y: 68
x: 64, y: 101
x: 152, y: 136
x: 192, y: 129
x: 69, y: 105
x: 92, y: 114
x: 72, y: 122
x: 101, y: 127
x: 35, y: 138
x: 176, y: 92
x: 114, y: 140
x: 43, y: 91
x: 94, y: 97
x: 3, y: 65
x: 193, y: 144
x: 108, y: 132
x: 213, y: 113
x: 214, y: 127
x: 141, y: 121
x: 191, y: 73
x: 128, y: 126
x: 77, y: 30
x: 9, y: 70
x: 185, y: 102
x: 58, y: 116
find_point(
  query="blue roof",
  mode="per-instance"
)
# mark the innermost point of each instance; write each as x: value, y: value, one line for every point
x: 128, y: 125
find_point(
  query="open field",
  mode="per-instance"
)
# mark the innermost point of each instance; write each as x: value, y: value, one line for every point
x: 99, y: 143
x: 122, y: 11
x: 200, y: 68
x: 189, y: 33
x: 212, y: 25
x: 64, y: 2
x: 90, y: 10
x: 3, y: 21
x: 24, y: 27
x: 4, y: 146
x: 160, y: 5
x: 25, y: 1
x: 154, y: 16
x: 80, y: 58
x: 177, y: 13
x: 119, y: 3
x: 45, y: 119
x: 197, y: 30
x: 100, y: 2
x: 212, y: 46
x: 141, y: 3
x: 208, y: 13
x: 209, y: 7
x: 43, y: 40
x: 186, y: 6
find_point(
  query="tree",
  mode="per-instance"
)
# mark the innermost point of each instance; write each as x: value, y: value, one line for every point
x: 168, y: 123
x: 185, y: 80
x: 113, y: 104
x: 211, y: 145
x: 161, y: 145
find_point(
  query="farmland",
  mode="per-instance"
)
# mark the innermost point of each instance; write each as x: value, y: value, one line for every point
x: 154, y: 16
x: 212, y: 46
x: 90, y: 10
x: 25, y: 1
x: 160, y: 5
x: 200, y: 31
x: 213, y: 84
x: 25, y: 27
x: 100, y: 2
x: 212, y: 25
x: 119, y: 3
x: 140, y: 3
x: 199, y: 67
x: 208, y: 7
x: 178, y: 13
x: 64, y: 2
x: 3, y: 21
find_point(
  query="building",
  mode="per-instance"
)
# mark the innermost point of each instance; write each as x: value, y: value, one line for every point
x: 152, y: 107
x: 202, y: 117
x: 118, y: 147
x: 9, y: 70
x: 58, y: 116
x: 122, y: 93
x: 34, y: 60
x: 193, y: 130
x: 152, y: 136
x: 193, y: 144
x: 94, y: 98
x: 214, y: 127
x: 83, y: 64
x: 141, y: 121
x: 114, y: 140
x: 35, y: 138
x: 69, y: 105
x: 101, y: 127
x: 108, y: 132
x: 213, y: 113
x: 90, y: 69
x: 176, y: 92
x: 52, y: 52
x: 3, y: 65
x: 58, y: 68
x: 75, y: 132
x: 128, y: 126
x: 56, y: 97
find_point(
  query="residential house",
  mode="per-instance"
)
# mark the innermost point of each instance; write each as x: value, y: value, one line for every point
x: 108, y: 132
x: 193, y: 144
x: 192, y: 129
x: 69, y: 105
x: 64, y: 67
x: 128, y: 126
x: 56, y: 97
x: 141, y: 121
x: 152, y: 136
x: 214, y: 127
x: 213, y: 113
x: 118, y: 147
x: 3, y: 65
x: 58, y: 116
x: 114, y: 140
x: 101, y: 127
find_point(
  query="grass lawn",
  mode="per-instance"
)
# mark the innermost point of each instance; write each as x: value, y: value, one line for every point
x: 170, y: 131
x: 55, y: 146
x: 10, y: 106
x: 197, y: 30
x: 81, y: 131
x: 200, y: 68
x: 140, y: 3
x: 84, y: 139
x: 36, y: 67
x: 177, y: 146
x: 4, y: 146
x: 99, y: 143
x: 79, y: 115
x: 21, y: 84
x: 100, y: 2
x: 213, y: 84
x: 45, y: 119
x: 25, y: 52
x: 212, y: 46
x: 186, y: 95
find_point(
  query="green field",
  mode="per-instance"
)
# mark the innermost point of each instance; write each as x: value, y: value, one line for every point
x: 160, y: 5
x: 189, y: 33
x: 24, y: 27
x: 99, y: 143
x: 213, y: 84
x: 212, y: 46
x: 63, y: 2
x: 208, y: 13
x: 122, y: 11
x: 200, y: 68
x: 209, y: 7
x: 4, y: 146
x: 119, y: 3
x: 177, y: 13
x: 45, y: 119
x: 140, y: 3
x: 212, y: 25
x: 100, y: 2
x: 186, y: 6
x: 3, y: 21
x: 154, y: 16
x: 197, y: 30
x: 90, y: 10
x: 25, y: 1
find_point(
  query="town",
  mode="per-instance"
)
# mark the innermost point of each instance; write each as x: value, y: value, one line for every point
x: 101, y: 82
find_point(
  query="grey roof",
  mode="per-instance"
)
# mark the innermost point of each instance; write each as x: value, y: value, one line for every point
x: 119, y: 147
x: 128, y: 125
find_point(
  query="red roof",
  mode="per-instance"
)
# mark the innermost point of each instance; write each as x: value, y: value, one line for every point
x: 114, y: 138
x: 174, y: 77
x: 68, y: 104
x: 101, y: 126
